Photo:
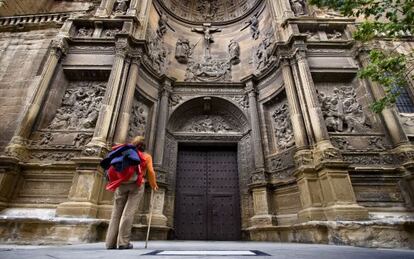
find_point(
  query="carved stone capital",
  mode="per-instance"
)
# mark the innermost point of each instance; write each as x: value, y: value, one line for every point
x: 17, y: 148
x: 59, y: 47
x: 122, y: 47
x: 300, y: 55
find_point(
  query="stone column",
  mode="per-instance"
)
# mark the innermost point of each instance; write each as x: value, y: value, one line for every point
x: 398, y: 137
x: 143, y: 17
x: 105, y: 119
x: 122, y: 128
x: 105, y: 8
x: 158, y: 217
x: 390, y: 118
x: 162, y: 123
x: 287, y: 9
x: 312, y: 104
x: 17, y: 147
x: 134, y: 6
x: 254, y: 122
x: 328, y: 184
x: 9, y: 177
x: 84, y: 193
x: 299, y: 130
x: 261, y: 208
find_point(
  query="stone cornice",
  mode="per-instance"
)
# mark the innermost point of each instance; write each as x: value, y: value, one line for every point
x: 36, y: 20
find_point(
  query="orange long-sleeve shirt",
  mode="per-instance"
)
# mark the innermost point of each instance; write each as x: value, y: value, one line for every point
x: 149, y: 171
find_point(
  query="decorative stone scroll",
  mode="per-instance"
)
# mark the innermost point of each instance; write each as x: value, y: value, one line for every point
x: 283, y: 127
x: 139, y: 119
x: 342, y: 112
x: 80, y: 107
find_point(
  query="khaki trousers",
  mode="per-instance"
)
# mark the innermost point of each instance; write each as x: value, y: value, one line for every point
x: 126, y: 201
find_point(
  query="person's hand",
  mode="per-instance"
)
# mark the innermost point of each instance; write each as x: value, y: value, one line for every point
x: 155, y: 188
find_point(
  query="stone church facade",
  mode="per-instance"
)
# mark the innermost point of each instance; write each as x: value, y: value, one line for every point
x: 259, y: 126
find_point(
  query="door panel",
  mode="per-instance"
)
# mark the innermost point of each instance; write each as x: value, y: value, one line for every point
x: 207, y: 195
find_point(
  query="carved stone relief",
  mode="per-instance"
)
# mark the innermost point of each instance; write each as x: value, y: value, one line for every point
x: 158, y: 53
x: 209, y: 70
x: 342, y: 112
x: 208, y: 9
x: 334, y: 35
x: 298, y: 7
x: 183, y: 50
x: 84, y: 32
x: 52, y: 155
x: 234, y: 52
x: 253, y: 23
x: 312, y: 35
x: 208, y: 124
x: 121, y: 6
x: 243, y: 101
x: 110, y: 33
x: 139, y: 119
x: 175, y: 100
x: 263, y: 54
x: 80, y: 107
x: 341, y: 142
x: 283, y: 126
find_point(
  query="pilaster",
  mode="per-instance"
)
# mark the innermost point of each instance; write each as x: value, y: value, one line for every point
x: 105, y: 8
x: 9, y: 177
x: 122, y: 128
x: 254, y: 123
x: 84, y: 192
x: 17, y: 146
x: 163, y: 113
x: 106, y: 117
x: 261, y: 207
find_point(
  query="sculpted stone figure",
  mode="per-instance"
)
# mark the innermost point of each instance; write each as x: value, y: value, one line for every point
x: 263, y: 54
x: 208, y: 31
x: 121, y: 6
x: 234, y: 52
x: 283, y: 127
x: 342, y: 112
x: 298, y: 7
x: 162, y: 25
x: 80, y: 107
x: 183, y: 50
x: 84, y: 32
x: 254, y: 26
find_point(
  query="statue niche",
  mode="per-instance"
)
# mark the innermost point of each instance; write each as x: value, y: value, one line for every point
x: 139, y: 119
x: 80, y: 107
x: 283, y: 127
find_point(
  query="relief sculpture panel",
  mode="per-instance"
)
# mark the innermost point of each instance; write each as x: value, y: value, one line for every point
x: 80, y: 107
x: 342, y: 112
x: 139, y: 118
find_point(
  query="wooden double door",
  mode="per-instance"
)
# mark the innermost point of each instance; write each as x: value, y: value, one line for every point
x: 207, y: 205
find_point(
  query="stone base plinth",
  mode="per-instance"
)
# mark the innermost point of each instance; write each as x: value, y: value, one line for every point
x: 354, y: 212
x: 77, y: 210
x: 311, y: 214
x: 36, y: 231
x: 375, y: 233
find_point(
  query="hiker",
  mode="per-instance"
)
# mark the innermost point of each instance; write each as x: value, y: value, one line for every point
x: 128, y: 164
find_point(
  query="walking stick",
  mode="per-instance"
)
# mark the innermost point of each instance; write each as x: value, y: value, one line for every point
x: 150, y: 217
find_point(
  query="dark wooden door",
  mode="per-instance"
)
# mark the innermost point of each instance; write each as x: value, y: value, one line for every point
x: 207, y: 194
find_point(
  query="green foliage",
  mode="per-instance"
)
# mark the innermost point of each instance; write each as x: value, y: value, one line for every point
x: 390, y: 19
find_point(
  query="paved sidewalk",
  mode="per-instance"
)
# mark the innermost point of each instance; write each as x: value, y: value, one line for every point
x: 274, y: 250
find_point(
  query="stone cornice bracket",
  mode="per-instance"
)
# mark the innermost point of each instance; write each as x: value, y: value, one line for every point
x: 122, y: 47
x: 59, y: 47
x: 136, y: 54
x: 167, y: 84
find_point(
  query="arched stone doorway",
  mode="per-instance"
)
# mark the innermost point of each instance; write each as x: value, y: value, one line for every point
x: 209, y: 159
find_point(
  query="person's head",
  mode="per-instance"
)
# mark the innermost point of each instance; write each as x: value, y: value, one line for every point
x: 139, y: 142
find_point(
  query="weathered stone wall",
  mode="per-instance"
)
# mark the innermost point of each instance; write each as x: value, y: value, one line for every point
x: 22, y: 56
